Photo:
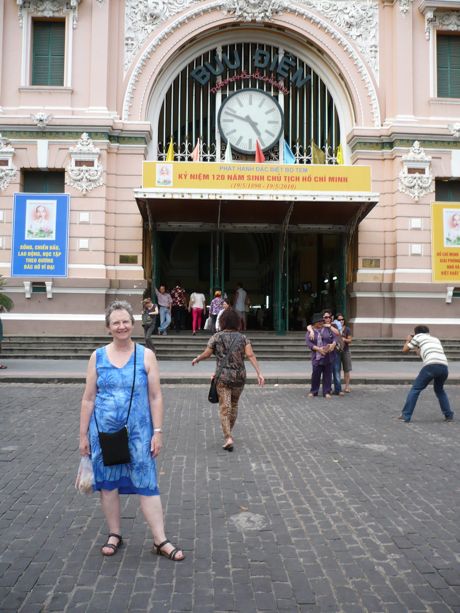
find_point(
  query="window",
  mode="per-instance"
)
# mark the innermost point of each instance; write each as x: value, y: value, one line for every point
x: 48, y: 49
x: 447, y: 190
x: 448, y: 61
x: 43, y: 182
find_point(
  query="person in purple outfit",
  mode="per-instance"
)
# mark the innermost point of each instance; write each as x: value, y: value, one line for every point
x: 322, y: 347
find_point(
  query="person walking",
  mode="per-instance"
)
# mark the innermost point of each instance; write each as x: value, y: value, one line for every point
x: 230, y: 348
x: 241, y: 304
x: 179, y: 306
x: 225, y: 305
x: 197, y: 305
x: 345, y: 355
x: 216, y: 306
x: 164, y: 303
x: 322, y: 345
x: 123, y: 389
x: 149, y: 321
x: 435, y: 368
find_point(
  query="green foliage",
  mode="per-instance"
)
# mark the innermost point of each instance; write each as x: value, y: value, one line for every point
x: 5, y: 301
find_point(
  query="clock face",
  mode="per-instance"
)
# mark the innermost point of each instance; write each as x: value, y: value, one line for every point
x: 249, y: 115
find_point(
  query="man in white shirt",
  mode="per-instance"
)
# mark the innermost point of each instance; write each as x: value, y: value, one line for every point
x: 434, y: 369
x: 241, y: 304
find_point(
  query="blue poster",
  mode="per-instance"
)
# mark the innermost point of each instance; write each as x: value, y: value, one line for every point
x: 40, y: 235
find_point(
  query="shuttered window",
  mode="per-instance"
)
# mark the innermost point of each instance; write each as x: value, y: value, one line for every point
x: 447, y: 190
x: 448, y: 58
x: 43, y: 181
x: 48, y: 52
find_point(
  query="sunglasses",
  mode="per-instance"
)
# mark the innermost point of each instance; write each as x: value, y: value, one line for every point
x: 326, y: 316
x: 340, y: 319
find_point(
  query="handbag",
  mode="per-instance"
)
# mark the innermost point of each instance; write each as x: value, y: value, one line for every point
x: 115, y: 445
x: 213, y: 396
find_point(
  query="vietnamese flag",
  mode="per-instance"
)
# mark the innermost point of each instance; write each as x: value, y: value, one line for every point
x: 260, y: 157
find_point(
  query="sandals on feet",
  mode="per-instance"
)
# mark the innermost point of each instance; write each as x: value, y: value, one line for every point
x: 114, y: 548
x: 228, y: 445
x: 171, y: 555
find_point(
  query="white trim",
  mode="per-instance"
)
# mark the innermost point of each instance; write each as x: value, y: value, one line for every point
x: 84, y: 290
x: 406, y: 320
x: 415, y: 295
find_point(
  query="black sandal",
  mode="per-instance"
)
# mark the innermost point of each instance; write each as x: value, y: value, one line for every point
x: 171, y: 555
x: 115, y: 548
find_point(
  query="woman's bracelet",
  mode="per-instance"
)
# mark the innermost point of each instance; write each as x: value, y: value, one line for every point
x: 157, y: 430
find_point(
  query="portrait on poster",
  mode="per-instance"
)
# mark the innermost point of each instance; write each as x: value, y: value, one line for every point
x: 164, y: 175
x: 451, y: 224
x: 41, y: 219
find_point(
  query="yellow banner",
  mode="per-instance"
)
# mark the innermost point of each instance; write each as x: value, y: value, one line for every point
x: 445, y: 241
x: 258, y: 177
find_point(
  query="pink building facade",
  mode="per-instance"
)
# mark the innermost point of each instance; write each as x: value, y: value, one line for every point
x: 90, y: 89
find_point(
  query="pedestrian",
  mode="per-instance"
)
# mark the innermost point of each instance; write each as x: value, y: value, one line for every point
x: 225, y: 305
x: 179, y: 306
x: 241, y: 304
x: 322, y: 347
x: 215, y: 308
x: 149, y: 321
x: 345, y: 355
x: 435, y: 368
x: 197, y: 305
x: 117, y: 374
x: 164, y: 304
x: 230, y: 348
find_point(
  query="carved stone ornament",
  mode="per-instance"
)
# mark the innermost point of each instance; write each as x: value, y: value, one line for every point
x: 254, y: 10
x: 8, y: 171
x: 454, y: 129
x: 415, y: 178
x: 41, y: 119
x: 404, y: 6
x: 48, y: 8
x: 357, y: 18
x: 441, y: 20
x: 84, y: 171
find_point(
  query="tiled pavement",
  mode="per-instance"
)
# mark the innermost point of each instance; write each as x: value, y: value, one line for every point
x: 323, y: 506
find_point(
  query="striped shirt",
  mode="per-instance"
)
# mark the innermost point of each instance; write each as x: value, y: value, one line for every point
x: 431, y: 350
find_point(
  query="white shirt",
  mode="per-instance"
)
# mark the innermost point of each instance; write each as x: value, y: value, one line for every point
x: 197, y: 301
x: 240, y: 302
x: 431, y: 350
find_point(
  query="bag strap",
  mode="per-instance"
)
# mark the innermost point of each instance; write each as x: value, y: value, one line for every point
x: 225, y: 362
x: 132, y: 392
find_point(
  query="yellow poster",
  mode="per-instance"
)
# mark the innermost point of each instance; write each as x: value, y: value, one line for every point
x: 445, y: 241
x: 255, y: 177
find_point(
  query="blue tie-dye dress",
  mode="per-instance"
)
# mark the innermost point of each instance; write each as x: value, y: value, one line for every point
x: 111, y: 407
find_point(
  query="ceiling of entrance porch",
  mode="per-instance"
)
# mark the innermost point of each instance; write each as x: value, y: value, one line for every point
x: 333, y: 212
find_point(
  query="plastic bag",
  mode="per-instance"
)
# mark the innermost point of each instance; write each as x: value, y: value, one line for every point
x: 208, y: 324
x: 85, y: 476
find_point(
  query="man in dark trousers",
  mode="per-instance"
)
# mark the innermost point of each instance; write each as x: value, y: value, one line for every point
x: 434, y: 369
x: 322, y: 347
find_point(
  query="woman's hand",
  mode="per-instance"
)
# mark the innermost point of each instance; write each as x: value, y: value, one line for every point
x: 195, y: 361
x: 156, y: 444
x: 84, y: 445
x: 260, y: 379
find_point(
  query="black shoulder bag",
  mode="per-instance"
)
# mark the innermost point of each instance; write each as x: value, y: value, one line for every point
x: 114, y: 445
x: 213, y: 396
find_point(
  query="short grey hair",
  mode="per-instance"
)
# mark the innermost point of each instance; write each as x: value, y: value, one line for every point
x: 118, y: 305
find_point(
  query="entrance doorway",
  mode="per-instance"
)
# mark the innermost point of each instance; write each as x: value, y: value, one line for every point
x: 287, y: 278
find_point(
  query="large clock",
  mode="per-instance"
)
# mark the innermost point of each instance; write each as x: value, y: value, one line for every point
x: 249, y: 115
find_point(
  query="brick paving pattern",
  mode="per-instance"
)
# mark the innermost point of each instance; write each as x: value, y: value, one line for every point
x: 323, y: 506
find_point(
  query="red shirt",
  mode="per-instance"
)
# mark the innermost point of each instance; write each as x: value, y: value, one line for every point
x: 178, y: 296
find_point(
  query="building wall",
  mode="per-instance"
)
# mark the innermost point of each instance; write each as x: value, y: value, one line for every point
x: 380, y: 60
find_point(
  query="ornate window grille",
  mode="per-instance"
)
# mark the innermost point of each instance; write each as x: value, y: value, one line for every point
x: 189, y: 110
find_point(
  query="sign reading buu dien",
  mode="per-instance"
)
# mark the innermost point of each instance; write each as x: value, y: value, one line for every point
x: 445, y: 241
x: 255, y: 177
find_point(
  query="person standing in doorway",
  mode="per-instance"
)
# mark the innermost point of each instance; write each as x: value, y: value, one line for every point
x: 179, y: 306
x: 435, y: 368
x: 164, y: 303
x: 216, y: 306
x: 196, y: 306
x: 241, y: 304
x: 149, y: 321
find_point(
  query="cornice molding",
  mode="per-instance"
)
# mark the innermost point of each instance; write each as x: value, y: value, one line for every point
x: 48, y: 8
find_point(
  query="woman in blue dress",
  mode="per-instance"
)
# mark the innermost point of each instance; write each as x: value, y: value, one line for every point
x: 107, y: 394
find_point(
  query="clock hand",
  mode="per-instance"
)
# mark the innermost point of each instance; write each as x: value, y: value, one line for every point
x: 253, y: 125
